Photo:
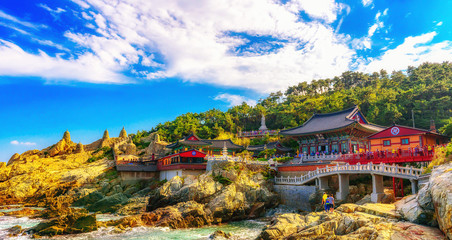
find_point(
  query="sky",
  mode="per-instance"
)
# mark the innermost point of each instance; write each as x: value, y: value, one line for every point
x: 90, y: 65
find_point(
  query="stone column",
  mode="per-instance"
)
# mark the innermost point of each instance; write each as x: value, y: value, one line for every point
x: 322, y: 183
x: 377, y: 188
x: 343, y: 187
x: 413, y: 186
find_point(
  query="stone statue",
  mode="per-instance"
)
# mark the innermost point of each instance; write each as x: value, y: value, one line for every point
x: 263, y: 126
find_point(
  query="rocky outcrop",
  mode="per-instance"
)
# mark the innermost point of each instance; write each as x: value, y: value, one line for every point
x: 123, y: 133
x: 64, y: 146
x: 411, y: 210
x: 13, y: 158
x: 67, y: 224
x: 345, y: 223
x: 181, y: 215
x: 440, y: 186
x: 79, y: 148
x: 234, y: 192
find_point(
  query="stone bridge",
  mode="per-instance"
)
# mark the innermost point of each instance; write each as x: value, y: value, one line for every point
x: 320, y: 176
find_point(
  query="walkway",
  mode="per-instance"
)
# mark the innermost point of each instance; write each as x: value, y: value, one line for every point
x: 343, y: 171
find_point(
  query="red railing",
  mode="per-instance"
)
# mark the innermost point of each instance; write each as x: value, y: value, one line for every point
x: 400, y: 156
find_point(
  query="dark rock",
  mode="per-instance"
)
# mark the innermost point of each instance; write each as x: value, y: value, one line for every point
x: 109, y: 204
x: 220, y: 235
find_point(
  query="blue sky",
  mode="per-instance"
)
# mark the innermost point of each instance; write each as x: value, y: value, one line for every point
x: 90, y: 65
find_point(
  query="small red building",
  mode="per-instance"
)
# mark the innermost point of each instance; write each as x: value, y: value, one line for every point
x: 185, y: 163
x: 405, y: 138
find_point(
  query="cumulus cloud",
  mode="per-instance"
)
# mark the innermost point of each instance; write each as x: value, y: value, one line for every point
x: 15, y: 142
x: 235, y: 100
x: 414, y: 51
x: 439, y: 24
x: 206, y: 42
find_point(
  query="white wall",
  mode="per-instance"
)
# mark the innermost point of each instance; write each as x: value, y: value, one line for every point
x: 168, y: 174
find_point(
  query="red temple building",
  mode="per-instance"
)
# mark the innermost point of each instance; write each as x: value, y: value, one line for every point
x: 185, y: 163
x: 330, y: 133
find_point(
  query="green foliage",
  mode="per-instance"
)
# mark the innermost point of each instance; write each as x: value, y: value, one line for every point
x: 442, y: 155
x: 447, y: 128
x: 107, y: 152
x: 383, y: 99
x: 267, y: 152
x: 222, y: 180
x: 282, y: 159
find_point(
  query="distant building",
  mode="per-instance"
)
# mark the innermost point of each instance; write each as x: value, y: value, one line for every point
x: 280, y: 149
x: 404, y: 138
x: 185, y: 163
x: 344, y: 131
x: 213, y: 147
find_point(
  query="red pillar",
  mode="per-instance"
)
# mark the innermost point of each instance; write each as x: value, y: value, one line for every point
x: 394, y: 187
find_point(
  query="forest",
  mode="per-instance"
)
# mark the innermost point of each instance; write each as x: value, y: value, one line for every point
x: 424, y: 91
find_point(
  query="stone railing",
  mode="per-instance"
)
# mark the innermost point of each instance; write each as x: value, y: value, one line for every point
x: 258, y: 133
x: 379, y: 169
x: 316, y: 158
x: 240, y: 159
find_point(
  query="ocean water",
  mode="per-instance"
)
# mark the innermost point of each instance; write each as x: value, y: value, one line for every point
x: 248, y: 229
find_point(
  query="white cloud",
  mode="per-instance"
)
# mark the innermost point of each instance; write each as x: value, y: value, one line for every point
x: 15, y: 142
x: 89, y: 68
x: 412, y: 52
x: 16, y: 20
x: 195, y: 43
x: 366, y: 3
x: 439, y: 24
x: 235, y: 100
x: 55, y: 11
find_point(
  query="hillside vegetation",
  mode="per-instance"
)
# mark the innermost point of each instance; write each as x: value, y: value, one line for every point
x: 383, y: 98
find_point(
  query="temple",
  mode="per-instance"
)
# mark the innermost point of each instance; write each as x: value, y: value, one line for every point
x: 213, y: 147
x: 185, y: 163
x: 339, y: 132
x: 280, y: 149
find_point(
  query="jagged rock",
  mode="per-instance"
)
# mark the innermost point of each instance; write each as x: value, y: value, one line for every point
x: 424, y: 198
x: 441, y: 191
x: 283, y: 226
x: 67, y: 224
x: 344, y: 225
x: 79, y: 148
x: 64, y: 146
x: 13, y: 158
x: 182, y: 215
x: 246, y: 197
x: 90, y: 198
x: 123, y: 133
x: 109, y: 204
x: 106, y: 136
x: 14, y: 231
x: 220, y: 235
x: 410, y: 210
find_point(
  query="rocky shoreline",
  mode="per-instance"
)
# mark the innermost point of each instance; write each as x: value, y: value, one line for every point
x: 73, y: 190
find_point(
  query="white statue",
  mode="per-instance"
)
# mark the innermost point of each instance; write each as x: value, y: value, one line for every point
x: 263, y: 126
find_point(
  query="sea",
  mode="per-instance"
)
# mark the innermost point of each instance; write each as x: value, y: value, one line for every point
x: 247, y: 229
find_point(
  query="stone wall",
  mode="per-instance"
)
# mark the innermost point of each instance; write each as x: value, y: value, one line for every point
x: 135, y: 176
x: 295, y: 196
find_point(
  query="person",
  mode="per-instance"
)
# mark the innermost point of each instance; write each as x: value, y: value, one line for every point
x: 330, y: 203
x: 324, y: 197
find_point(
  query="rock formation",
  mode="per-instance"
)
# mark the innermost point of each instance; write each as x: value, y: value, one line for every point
x: 244, y: 195
x: 106, y: 135
x: 65, y: 145
x: 156, y: 147
x: 348, y: 222
x: 79, y: 148
x: 13, y: 158
x: 123, y: 133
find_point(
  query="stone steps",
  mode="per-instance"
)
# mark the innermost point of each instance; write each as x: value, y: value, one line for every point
x: 380, y: 209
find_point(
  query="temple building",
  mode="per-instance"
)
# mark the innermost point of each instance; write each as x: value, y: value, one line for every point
x: 213, y: 147
x: 405, y: 138
x: 181, y: 164
x: 344, y: 131
x: 280, y: 149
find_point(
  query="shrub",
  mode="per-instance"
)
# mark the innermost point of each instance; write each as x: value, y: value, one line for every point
x: 222, y: 180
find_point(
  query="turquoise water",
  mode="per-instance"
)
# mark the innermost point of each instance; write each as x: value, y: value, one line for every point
x: 248, y: 229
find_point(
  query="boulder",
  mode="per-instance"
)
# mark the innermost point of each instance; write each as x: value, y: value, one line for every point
x: 410, y: 210
x: 283, y: 226
x: 441, y: 192
x: 64, y: 146
x: 67, y: 224
x: 109, y: 204
x: 220, y: 235
x: 13, y: 158
x: 181, y: 215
